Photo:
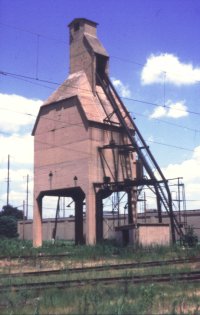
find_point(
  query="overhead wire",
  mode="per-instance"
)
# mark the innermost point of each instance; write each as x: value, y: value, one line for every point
x: 170, y: 145
x: 65, y: 42
x: 55, y: 83
x: 26, y: 78
x: 46, y: 81
x: 133, y: 113
x: 32, y: 33
x: 23, y: 77
x: 15, y: 75
x: 37, y: 34
x: 166, y: 122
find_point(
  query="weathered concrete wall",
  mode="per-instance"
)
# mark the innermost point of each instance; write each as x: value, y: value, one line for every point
x: 146, y: 235
x: 61, y: 147
x: 80, y: 56
x: 71, y: 127
x: 153, y: 234
x: 25, y: 230
x: 65, y: 228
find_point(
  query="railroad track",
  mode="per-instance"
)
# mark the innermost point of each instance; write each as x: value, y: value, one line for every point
x: 38, y: 256
x: 102, y: 268
x: 165, y: 277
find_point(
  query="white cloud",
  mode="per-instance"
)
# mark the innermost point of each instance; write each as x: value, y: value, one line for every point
x: 177, y: 110
x: 19, y: 147
x: 159, y: 111
x: 168, y: 68
x: 17, y: 112
x: 16, y: 198
x: 122, y: 89
x: 172, y: 110
x: 17, y: 187
x: 190, y: 171
x: 18, y: 175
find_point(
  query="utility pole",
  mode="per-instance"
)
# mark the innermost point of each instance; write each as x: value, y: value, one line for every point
x: 179, y: 199
x: 23, y: 219
x: 145, y: 208
x: 8, y: 180
x: 64, y: 207
x: 27, y: 192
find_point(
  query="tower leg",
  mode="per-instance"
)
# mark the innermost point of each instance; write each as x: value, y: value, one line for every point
x: 37, y: 223
x: 79, y: 239
x: 99, y: 217
x: 90, y: 217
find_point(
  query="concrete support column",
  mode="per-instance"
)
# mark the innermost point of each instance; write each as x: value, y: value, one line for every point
x: 90, y: 217
x: 99, y: 217
x: 37, y: 223
x: 79, y: 239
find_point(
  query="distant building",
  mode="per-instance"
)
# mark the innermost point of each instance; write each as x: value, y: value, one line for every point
x: 66, y: 231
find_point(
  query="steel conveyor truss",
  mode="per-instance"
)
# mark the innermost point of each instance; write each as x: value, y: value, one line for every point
x: 153, y: 171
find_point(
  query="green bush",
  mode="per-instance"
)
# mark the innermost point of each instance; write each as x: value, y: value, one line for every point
x: 190, y: 238
x: 11, y: 211
x: 8, y: 227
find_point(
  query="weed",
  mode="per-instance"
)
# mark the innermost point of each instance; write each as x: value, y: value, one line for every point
x: 37, y: 308
x: 126, y: 298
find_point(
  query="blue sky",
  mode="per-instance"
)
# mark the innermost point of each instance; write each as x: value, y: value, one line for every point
x: 154, y: 63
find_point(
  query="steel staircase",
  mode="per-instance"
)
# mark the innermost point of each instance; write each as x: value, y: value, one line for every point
x: 153, y: 171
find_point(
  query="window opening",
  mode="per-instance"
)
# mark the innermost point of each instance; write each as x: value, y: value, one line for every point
x: 101, y: 62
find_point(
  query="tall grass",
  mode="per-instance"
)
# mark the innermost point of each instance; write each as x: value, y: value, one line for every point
x: 101, y: 300
x: 106, y: 249
x: 119, y: 299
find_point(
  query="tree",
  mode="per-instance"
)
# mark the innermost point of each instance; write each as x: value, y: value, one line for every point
x: 8, y: 221
x: 190, y: 238
x: 11, y: 211
x: 8, y: 227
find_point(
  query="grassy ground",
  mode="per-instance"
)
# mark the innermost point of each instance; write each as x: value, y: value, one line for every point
x: 173, y: 298
x: 10, y: 247
x: 127, y: 299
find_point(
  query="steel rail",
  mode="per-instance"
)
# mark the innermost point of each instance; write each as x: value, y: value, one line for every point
x: 42, y: 255
x: 154, y: 278
x: 101, y: 268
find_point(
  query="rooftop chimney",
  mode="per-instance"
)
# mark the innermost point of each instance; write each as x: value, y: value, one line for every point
x: 86, y: 52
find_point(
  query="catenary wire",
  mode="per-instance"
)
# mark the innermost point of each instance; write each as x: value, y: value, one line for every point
x: 5, y: 73
x: 65, y: 42
x: 133, y: 113
x: 154, y: 104
x: 177, y: 147
x: 166, y: 122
